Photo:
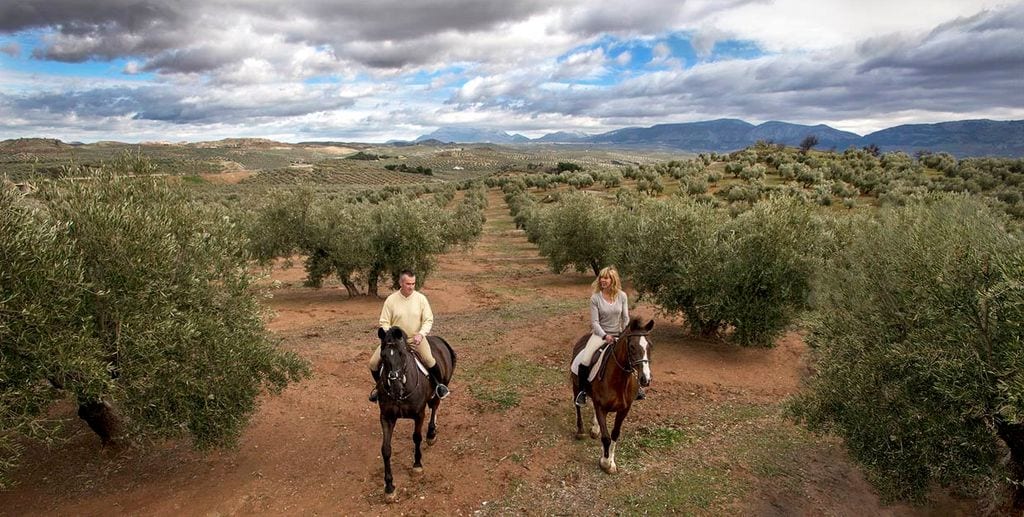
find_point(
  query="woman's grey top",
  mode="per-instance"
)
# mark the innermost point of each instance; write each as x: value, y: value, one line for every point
x: 608, y: 318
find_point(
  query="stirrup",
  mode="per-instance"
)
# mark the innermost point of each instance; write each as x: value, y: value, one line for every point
x: 441, y: 391
x: 581, y: 399
x: 373, y: 395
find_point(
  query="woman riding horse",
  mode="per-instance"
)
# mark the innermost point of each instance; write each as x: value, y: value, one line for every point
x: 609, y: 314
x: 624, y: 367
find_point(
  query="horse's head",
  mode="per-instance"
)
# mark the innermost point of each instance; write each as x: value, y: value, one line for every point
x: 393, y: 352
x: 639, y: 348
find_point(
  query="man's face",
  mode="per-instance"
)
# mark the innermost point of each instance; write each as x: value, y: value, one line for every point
x: 407, y: 284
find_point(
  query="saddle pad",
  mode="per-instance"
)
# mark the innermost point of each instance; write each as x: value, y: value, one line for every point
x: 596, y: 360
x: 420, y: 365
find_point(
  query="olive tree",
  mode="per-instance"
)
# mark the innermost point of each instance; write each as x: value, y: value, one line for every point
x: 279, y: 226
x: 45, y: 338
x: 339, y: 242
x: 363, y: 242
x: 575, y: 232
x: 405, y: 234
x: 745, y: 278
x: 136, y: 304
x: 919, y: 349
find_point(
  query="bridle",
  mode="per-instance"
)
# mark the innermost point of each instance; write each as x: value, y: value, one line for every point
x: 629, y: 367
x: 392, y: 376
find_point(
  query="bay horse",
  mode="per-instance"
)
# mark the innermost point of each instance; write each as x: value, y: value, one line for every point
x: 405, y: 391
x: 626, y: 365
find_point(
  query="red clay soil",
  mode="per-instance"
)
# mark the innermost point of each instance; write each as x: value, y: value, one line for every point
x: 315, y: 449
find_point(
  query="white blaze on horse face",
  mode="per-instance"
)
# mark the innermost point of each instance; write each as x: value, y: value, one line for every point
x: 647, y: 360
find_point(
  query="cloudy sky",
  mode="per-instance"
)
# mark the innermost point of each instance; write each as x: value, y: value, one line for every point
x: 357, y: 70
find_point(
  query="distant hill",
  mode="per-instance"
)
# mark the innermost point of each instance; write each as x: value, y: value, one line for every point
x: 713, y: 135
x: 961, y: 138
x: 248, y: 143
x: 794, y: 134
x: 33, y: 145
x: 563, y: 137
x: 724, y: 135
x: 475, y: 135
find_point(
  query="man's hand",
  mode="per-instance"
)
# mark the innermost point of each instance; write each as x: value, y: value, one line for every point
x: 608, y: 338
x: 417, y: 338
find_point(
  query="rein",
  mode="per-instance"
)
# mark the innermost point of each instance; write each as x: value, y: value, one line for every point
x: 629, y: 367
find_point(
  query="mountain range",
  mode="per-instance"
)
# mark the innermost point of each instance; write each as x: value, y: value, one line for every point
x: 960, y: 138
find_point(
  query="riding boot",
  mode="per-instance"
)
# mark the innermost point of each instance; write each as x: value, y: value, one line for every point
x: 376, y: 379
x: 435, y: 375
x: 640, y: 395
x: 584, y: 380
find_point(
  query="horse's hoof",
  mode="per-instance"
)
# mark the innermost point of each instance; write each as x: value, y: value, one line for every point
x: 431, y: 441
x: 594, y: 435
x: 608, y: 466
x: 417, y: 471
x: 390, y: 498
x: 581, y: 435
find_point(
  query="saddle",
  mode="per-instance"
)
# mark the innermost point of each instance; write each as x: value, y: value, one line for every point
x: 596, y: 362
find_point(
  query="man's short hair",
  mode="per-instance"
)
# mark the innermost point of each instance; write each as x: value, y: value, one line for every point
x: 407, y: 272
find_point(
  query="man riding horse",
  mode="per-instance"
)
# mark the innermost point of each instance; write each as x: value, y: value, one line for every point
x: 409, y: 310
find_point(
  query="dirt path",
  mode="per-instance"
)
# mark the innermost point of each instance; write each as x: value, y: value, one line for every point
x: 505, y: 443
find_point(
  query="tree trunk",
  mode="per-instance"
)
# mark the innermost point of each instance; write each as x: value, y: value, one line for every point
x: 595, y: 266
x: 1013, y: 435
x: 371, y: 282
x: 101, y: 419
x: 350, y: 286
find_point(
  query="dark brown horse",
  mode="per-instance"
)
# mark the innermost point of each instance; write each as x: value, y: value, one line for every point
x: 405, y: 392
x: 627, y: 365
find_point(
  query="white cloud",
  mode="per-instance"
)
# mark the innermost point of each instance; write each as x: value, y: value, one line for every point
x: 526, y: 65
x: 798, y: 25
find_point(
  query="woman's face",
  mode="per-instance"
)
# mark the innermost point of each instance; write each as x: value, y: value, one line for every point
x: 604, y: 282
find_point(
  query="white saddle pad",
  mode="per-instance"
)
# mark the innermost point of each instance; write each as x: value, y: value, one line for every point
x: 579, y: 360
x: 420, y: 364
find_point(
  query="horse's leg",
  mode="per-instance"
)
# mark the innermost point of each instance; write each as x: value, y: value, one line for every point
x: 595, y: 428
x: 619, y: 418
x: 387, y: 427
x: 417, y: 438
x: 432, y: 426
x: 606, y: 441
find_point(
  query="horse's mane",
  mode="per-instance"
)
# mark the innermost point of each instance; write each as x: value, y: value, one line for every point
x: 395, y: 335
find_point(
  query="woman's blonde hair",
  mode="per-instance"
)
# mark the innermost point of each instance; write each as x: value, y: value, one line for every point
x: 611, y: 273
